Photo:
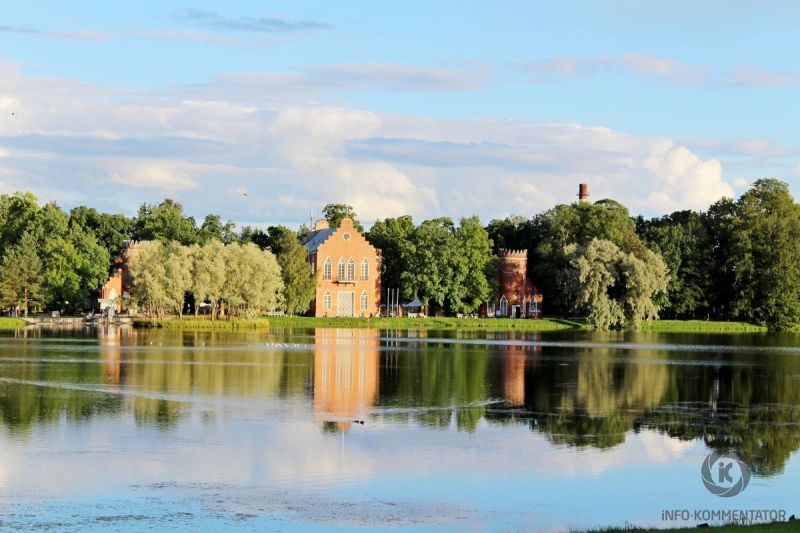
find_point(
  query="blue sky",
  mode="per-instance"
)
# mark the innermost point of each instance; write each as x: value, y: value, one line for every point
x: 428, y: 108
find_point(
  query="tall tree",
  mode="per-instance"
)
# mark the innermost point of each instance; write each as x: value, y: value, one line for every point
x: 213, y: 228
x: 208, y: 274
x: 165, y: 222
x: 177, y: 261
x: 17, y: 212
x: 110, y: 230
x: 299, y: 284
x: 21, y: 276
x: 766, y: 246
x: 392, y: 236
x: 614, y: 288
x: 471, y: 287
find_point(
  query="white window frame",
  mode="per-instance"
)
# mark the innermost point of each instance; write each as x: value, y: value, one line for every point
x: 341, y: 269
x: 327, y: 301
x: 503, y: 306
x: 327, y: 269
x: 364, y: 301
x: 364, y: 269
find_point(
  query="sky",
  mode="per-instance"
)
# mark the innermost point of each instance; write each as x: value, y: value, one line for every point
x: 263, y: 112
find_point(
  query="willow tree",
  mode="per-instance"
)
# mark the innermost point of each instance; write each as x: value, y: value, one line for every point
x: 613, y: 288
x: 148, y: 278
x: 208, y: 274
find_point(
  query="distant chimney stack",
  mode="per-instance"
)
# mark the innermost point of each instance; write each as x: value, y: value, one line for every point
x: 583, y: 192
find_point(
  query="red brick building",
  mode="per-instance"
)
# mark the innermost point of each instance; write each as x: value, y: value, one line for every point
x: 518, y: 297
x: 348, y: 270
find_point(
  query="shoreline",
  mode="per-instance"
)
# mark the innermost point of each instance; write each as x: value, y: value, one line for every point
x: 773, y: 527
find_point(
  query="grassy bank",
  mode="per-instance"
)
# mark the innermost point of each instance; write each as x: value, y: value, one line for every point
x: 777, y: 527
x: 700, y: 326
x: 201, y: 323
x: 489, y: 324
x: 444, y: 323
x: 11, y: 323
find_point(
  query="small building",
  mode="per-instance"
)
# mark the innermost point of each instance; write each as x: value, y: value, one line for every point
x: 347, y: 268
x: 111, y: 294
x: 517, y: 297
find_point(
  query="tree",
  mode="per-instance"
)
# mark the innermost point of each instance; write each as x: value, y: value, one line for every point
x: 208, y: 274
x: 148, y: 278
x: 577, y: 223
x: 164, y: 222
x: 392, y: 236
x: 614, y: 288
x: 766, y: 248
x: 430, y: 260
x: 253, y: 283
x: 299, y: 284
x: 470, y: 286
x: 21, y: 276
x: 213, y: 228
x: 255, y: 235
x: 177, y: 261
x: 334, y: 213
x: 17, y: 212
x: 110, y: 230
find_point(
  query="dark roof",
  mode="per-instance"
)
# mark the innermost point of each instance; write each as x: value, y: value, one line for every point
x: 413, y: 303
x: 315, y: 238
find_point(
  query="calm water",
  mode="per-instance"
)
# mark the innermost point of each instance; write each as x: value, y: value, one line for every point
x: 326, y: 429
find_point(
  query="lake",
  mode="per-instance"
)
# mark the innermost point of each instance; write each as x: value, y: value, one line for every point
x: 329, y: 429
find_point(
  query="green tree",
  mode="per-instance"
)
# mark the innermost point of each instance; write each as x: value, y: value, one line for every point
x: 177, y: 261
x: 148, y: 278
x: 299, y: 284
x: 21, y: 276
x: 766, y: 248
x: 392, y: 236
x: 17, y: 212
x: 213, y: 228
x: 110, y: 230
x: 470, y: 285
x: 334, y: 213
x: 208, y: 274
x: 255, y: 235
x: 164, y: 222
x: 615, y: 289
x: 431, y: 262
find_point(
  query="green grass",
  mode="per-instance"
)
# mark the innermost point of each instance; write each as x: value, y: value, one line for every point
x: 488, y: 324
x: 777, y: 527
x: 431, y: 323
x: 201, y: 323
x: 11, y: 323
x: 700, y: 326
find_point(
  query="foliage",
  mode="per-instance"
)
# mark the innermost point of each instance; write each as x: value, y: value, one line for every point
x: 299, y: 284
x: 334, y: 213
x: 110, y: 230
x: 164, y: 222
x: 21, y: 276
x: 766, y: 248
x: 213, y: 228
x: 208, y: 274
x: 391, y: 236
x: 614, y: 288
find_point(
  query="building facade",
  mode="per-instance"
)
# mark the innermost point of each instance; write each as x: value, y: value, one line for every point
x: 348, y: 271
x: 518, y: 297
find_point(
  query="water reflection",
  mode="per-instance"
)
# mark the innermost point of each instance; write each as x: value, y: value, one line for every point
x: 741, y: 400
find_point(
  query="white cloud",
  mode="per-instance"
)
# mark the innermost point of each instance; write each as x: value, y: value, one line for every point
x: 751, y: 76
x: 197, y: 144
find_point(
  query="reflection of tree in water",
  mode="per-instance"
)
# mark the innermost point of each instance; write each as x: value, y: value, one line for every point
x: 156, y: 369
x: 24, y: 404
x: 752, y: 411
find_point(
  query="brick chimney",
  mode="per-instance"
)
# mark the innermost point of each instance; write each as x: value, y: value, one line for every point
x: 583, y: 192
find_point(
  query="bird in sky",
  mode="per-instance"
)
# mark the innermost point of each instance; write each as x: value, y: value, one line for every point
x: 245, y: 195
x: 12, y: 114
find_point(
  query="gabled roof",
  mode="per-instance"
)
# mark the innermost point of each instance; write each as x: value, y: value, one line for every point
x: 315, y: 238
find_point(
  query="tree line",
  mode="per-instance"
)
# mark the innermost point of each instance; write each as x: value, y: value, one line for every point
x: 738, y: 260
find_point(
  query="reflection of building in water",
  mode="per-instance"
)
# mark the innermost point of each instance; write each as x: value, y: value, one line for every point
x: 346, y: 368
x: 111, y: 351
x: 514, y: 376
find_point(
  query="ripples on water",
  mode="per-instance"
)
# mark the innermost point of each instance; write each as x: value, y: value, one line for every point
x: 299, y: 429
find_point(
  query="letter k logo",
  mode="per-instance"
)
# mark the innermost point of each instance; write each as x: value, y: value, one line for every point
x: 725, y: 472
